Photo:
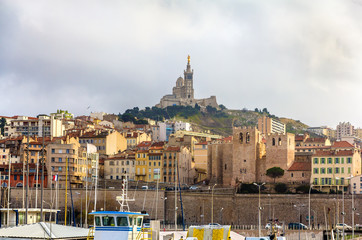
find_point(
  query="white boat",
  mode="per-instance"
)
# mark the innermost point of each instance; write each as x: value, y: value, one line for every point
x: 120, y: 225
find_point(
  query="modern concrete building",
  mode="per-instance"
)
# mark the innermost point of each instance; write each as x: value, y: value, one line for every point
x: 268, y: 125
x: 344, y: 129
x: 356, y: 184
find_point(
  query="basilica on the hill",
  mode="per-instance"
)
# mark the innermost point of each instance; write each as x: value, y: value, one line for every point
x: 183, y: 92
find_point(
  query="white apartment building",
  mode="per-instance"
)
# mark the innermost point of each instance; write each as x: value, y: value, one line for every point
x: 344, y: 129
x: 21, y: 125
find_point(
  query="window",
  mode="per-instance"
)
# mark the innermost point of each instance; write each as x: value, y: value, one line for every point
x: 97, y: 221
x: 322, y: 183
x: 336, y: 170
x: 273, y: 141
x: 53, y: 159
x: 67, y: 151
x: 315, y: 181
x: 315, y: 170
x: 108, y: 221
x: 241, y: 137
x: 60, y: 159
x: 329, y: 160
x: 323, y: 170
x: 53, y: 150
x: 247, y: 137
x: 122, y: 221
x: 59, y: 169
x: 336, y: 160
x: 279, y: 141
x: 291, y: 174
x: 330, y: 170
x: 349, y: 160
x: 323, y: 160
x: 315, y: 160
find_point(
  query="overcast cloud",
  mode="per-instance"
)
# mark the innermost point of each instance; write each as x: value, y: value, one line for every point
x: 300, y: 59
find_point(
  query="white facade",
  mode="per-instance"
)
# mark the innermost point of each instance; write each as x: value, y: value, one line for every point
x: 182, y: 126
x: 98, y: 115
x: 106, y: 124
x: 344, y: 130
x: 356, y: 184
x: 162, y: 131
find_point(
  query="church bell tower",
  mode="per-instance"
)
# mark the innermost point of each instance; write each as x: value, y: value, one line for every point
x: 189, y: 80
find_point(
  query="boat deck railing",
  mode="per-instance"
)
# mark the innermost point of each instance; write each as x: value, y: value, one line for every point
x: 144, y: 234
x: 90, y: 234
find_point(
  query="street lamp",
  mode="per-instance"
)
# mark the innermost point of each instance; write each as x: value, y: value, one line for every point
x: 310, y: 189
x: 81, y: 209
x: 221, y: 215
x: 212, y: 203
x: 164, y: 211
x: 343, y: 213
x: 259, y: 186
x: 299, y: 225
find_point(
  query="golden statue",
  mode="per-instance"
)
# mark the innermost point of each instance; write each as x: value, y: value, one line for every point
x: 188, y: 59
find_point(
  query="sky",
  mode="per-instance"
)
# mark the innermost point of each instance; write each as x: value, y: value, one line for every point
x: 299, y: 59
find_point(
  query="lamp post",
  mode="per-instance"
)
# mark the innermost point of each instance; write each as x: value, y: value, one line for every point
x: 221, y: 215
x: 299, y: 226
x: 164, y: 211
x: 212, y: 203
x: 81, y: 210
x: 259, y: 208
x: 310, y: 189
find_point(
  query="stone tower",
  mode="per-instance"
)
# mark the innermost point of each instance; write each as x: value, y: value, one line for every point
x: 246, y: 149
x: 188, y: 90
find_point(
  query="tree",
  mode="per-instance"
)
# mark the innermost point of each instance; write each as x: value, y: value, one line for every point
x: 281, y: 188
x: 256, y: 110
x: 222, y: 107
x: 275, y: 172
x: 2, y: 125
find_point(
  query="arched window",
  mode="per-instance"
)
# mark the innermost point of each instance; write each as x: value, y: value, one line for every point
x: 279, y: 141
x: 273, y: 141
x: 247, y: 137
x: 241, y: 137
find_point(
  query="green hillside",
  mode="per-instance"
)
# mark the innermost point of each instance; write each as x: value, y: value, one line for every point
x: 212, y: 120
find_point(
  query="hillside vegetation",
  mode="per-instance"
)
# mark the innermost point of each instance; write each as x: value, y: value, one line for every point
x: 216, y: 121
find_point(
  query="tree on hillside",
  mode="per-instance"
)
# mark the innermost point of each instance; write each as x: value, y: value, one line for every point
x: 2, y: 125
x: 275, y: 172
x: 222, y: 107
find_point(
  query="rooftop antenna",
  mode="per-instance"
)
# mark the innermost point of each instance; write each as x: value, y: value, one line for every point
x: 123, y: 199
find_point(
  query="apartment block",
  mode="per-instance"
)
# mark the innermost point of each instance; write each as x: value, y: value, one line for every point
x: 268, y: 125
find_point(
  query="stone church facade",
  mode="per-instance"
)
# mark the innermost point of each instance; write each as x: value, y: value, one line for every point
x: 248, y: 156
x: 183, y: 92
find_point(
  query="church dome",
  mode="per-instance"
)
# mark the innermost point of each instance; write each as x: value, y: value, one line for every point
x: 179, y: 82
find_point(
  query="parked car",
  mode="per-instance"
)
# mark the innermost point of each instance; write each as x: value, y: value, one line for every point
x: 144, y: 187
x: 339, y: 226
x: 358, y: 227
x: 297, y: 226
x: 268, y: 225
x: 146, y: 225
x: 194, y: 187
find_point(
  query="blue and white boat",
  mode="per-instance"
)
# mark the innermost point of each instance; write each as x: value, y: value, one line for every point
x: 120, y: 225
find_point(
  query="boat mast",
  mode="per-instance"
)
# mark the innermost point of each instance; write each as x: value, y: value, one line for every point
x: 42, y: 175
x: 66, y: 190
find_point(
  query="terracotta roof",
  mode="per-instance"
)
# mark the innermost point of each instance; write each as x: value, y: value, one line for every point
x: 158, y: 144
x: 142, y: 151
x: 320, y: 140
x: 334, y: 153
x: 145, y: 144
x: 299, y: 138
x: 342, y: 144
x: 227, y: 139
x: 300, y: 166
x: 201, y: 143
x: 172, y: 149
x: 156, y: 148
x: 312, y: 147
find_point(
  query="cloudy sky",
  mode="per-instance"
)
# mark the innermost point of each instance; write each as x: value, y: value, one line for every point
x: 300, y: 59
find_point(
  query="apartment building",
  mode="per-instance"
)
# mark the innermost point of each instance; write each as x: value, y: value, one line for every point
x: 106, y: 142
x: 120, y: 166
x: 268, y: 125
x: 332, y: 169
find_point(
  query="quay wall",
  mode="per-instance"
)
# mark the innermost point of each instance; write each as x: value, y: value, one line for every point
x: 228, y: 208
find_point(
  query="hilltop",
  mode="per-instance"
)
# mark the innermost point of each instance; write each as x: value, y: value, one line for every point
x: 217, y: 121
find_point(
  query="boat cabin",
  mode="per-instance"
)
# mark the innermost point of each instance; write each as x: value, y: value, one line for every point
x: 117, y: 225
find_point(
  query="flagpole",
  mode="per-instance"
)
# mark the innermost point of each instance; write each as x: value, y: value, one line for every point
x: 36, y: 187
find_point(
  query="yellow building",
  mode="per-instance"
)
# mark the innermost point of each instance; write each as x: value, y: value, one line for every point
x: 155, y: 157
x: 331, y: 169
x: 108, y: 143
x: 200, y: 160
x: 141, y: 171
x: 135, y: 138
